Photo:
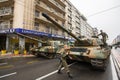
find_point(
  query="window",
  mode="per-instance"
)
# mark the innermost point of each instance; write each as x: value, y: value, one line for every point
x: 56, y: 20
x: 63, y: 33
x: 47, y: 29
x: 36, y: 26
x: 37, y: 13
x: 56, y: 31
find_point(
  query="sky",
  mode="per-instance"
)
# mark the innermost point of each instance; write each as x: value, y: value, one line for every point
x: 102, y: 14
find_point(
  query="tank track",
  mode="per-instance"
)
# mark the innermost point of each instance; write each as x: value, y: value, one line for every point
x: 99, y: 64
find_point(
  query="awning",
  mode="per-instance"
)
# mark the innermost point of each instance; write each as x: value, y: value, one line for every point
x: 31, y: 32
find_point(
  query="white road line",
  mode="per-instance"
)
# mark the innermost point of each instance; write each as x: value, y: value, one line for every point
x: 114, y: 74
x: 49, y: 74
x: 8, y: 75
x: 3, y: 64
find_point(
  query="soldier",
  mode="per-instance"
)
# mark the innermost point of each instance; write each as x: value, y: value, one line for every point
x: 104, y: 37
x: 64, y: 51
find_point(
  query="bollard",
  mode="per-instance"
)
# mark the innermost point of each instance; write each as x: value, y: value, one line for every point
x: 16, y: 52
x: 3, y: 52
x: 25, y: 52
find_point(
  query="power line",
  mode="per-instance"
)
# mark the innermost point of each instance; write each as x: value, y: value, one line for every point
x: 104, y: 11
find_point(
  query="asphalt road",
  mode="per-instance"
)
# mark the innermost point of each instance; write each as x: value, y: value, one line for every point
x: 32, y: 68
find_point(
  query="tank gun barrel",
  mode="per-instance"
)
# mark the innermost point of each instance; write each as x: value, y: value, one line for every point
x: 59, y: 26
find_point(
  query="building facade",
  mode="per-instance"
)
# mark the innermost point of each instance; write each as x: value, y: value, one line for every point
x: 76, y: 22
x: 116, y: 41
x: 95, y: 31
x: 25, y: 17
x: 73, y: 23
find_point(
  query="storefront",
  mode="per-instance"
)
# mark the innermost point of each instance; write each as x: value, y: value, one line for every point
x: 11, y: 42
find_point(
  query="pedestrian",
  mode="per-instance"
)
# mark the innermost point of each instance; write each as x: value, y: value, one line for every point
x: 104, y: 37
x: 64, y: 51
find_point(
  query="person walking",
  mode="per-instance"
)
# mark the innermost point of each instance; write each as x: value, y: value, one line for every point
x: 64, y: 51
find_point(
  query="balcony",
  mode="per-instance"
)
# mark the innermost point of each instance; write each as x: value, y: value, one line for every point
x: 5, y: 25
x: 3, y: 0
x: 61, y: 2
x: 6, y: 2
x: 55, y: 5
x: 6, y: 13
x: 41, y: 19
x: 44, y: 8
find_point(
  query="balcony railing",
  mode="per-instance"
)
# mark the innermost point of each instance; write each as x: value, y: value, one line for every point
x: 5, y: 25
x: 6, y: 11
x: 50, y: 10
x: 62, y: 2
x: 3, y: 0
x: 57, y: 4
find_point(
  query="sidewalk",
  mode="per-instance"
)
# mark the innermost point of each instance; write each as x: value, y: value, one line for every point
x: 118, y: 49
x: 11, y: 55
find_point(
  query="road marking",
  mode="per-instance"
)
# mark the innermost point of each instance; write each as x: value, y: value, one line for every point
x: 3, y: 63
x: 8, y: 66
x: 49, y: 74
x: 8, y: 75
x: 32, y: 62
x: 114, y: 74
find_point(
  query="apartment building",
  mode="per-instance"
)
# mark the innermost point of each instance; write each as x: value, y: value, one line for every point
x: 86, y: 28
x: 76, y: 22
x: 95, y: 31
x: 89, y: 31
x: 116, y: 40
x: 24, y: 16
x: 73, y: 23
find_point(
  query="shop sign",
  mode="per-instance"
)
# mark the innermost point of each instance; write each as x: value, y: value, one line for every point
x: 35, y: 32
x: 57, y: 36
x: 7, y: 31
x: 24, y: 31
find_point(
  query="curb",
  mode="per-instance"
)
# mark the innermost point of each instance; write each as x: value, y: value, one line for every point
x: 13, y: 56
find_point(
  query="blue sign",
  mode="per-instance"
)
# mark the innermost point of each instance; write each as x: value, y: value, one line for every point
x: 32, y: 32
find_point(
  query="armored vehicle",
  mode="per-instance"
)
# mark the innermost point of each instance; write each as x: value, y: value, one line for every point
x: 48, y: 49
x: 93, y: 53
x: 88, y: 50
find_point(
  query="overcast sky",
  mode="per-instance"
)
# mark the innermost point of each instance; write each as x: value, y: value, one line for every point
x: 108, y: 20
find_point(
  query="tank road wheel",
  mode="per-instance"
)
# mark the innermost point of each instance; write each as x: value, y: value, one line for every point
x: 105, y: 64
x: 37, y: 54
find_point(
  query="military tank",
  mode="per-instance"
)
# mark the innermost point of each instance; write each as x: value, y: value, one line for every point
x: 87, y: 50
x: 48, y: 48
